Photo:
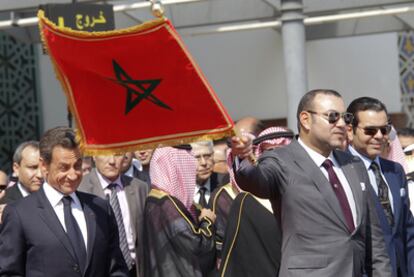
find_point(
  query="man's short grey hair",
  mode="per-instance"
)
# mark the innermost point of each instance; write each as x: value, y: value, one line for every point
x: 204, y: 143
x: 17, y: 157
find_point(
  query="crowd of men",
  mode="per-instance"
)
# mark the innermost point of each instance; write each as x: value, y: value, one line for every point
x: 333, y: 200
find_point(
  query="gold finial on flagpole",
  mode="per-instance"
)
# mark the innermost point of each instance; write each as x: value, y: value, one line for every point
x: 157, y: 8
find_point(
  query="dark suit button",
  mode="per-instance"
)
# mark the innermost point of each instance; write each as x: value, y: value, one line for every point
x: 76, y: 268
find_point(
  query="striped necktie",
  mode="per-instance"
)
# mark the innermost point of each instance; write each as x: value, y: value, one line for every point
x: 383, y: 193
x: 123, y: 243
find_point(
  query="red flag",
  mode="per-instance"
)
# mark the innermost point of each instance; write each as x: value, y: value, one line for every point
x: 134, y: 88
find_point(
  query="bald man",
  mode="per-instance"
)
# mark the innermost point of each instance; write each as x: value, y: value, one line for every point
x: 250, y: 125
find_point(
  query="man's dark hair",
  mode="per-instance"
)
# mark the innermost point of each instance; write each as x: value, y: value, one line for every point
x: 306, y: 103
x: 17, y: 156
x: 58, y: 136
x: 405, y: 132
x: 365, y: 104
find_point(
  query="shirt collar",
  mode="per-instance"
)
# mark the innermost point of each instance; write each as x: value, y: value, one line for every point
x: 105, y: 181
x: 23, y: 190
x: 137, y: 164
x: 317, y: 157
x: 130, y: 171
x: 367, y: 161
x: 55, y: 197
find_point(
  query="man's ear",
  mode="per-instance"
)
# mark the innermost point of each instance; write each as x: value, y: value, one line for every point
x: 350, y: 133
x: 16, y: 167
x: 44, y: 167
x: 305, y: 119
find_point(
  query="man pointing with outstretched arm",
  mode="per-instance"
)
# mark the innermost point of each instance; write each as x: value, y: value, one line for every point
x: 328, y: 219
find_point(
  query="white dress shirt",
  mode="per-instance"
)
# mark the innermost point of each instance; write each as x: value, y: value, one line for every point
x: 130, y: 171
x: 367, y: 162
x: 123, y: 204
x: 410, y: 186
x: 319, y: 159
x: 55, y: 198
x: 207, y: 194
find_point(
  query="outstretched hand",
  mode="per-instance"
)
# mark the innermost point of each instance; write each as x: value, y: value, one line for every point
x: 241, y: 147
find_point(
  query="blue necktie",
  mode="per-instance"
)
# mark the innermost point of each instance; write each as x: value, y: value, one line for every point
x: 74, y: 233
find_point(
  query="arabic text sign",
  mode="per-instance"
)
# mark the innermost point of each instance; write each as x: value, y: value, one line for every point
x: 82, y: 17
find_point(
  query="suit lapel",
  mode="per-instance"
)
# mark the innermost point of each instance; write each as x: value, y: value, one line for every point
x: 94, y: 184
x: 90, y: 219
x: 305, y: 162
x: 131, y: 197
x: 14, y: 193
x: 394, y: 184
x: 354, y: 182
x: 48, y: 215
x: 213, y: 181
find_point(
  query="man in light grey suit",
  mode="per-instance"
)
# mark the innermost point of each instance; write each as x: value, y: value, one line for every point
x: 128, y: 203
x: 328, y: 219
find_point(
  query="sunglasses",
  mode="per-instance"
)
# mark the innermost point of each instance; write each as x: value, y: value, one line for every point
x: 333, y: 117
x: 372, y: 131
x: 3, y: 187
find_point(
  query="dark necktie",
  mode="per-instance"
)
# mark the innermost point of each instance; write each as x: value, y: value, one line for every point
x: 123, y: 243
x: 202, y: 201
x: 383, y: 193
x: 74, y: 233
x: 340, y: 194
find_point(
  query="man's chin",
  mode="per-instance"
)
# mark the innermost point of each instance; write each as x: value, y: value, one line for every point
x: 68, y: 189
x: 35, y: 187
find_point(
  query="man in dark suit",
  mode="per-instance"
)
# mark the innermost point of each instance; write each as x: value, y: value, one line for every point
x: 58, y: 231
x: 368, y: 137
x: 328, y: 220
x: 207, y: 180
x: 130, y: 194
x: 26, y: 168
x: 143, y: 159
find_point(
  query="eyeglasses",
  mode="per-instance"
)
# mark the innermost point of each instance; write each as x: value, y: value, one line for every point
x: 372, y: 130
x: 333, y: 117
x: 3, y: 187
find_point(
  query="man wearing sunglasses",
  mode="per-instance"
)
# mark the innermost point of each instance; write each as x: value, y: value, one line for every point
x: 368, y: 137
x: 326, y: 214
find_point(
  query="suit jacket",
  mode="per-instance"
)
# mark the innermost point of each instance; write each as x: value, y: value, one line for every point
x: 12, y: 194
x: 33, y: 242
x: 142, y: 175
x: 400, y: 237
x: 217, y: 180
x: 316, y: 240
x: 136, y: 192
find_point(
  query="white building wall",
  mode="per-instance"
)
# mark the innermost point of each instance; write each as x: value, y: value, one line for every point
x: 53, y: 102
x: 357, y: 66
